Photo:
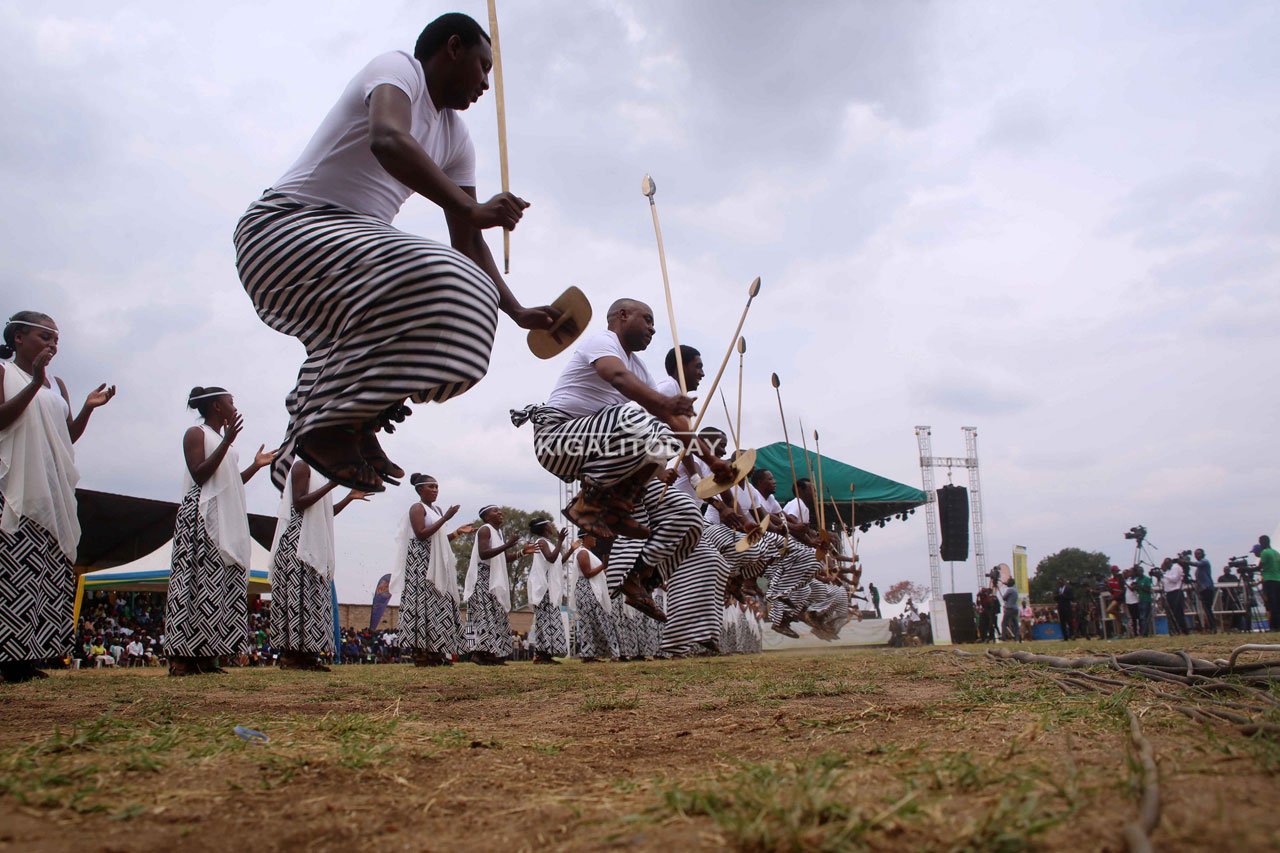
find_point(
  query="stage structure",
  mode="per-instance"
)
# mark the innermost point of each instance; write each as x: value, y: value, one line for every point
x: 928, y: 462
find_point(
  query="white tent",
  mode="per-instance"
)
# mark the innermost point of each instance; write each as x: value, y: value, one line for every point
x: 150, y: 572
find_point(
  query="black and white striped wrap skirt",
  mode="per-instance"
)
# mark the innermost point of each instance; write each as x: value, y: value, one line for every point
x: 608, y: 446
x: 384, y: 315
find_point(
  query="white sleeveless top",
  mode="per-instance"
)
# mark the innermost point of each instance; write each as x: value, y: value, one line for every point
x: 599, y: 581
x: 226, y: 519
x: 499, y: 583
x: 37, y: 464
x: 545, y: 576
x: 440, y: 569
x: 315, y: 540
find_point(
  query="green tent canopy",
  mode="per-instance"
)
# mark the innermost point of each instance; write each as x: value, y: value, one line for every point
x: 877, y: 499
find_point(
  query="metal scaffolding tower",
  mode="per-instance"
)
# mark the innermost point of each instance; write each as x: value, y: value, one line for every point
x: 923, y: 434
x: 975, y: 503
x: 970, y: 461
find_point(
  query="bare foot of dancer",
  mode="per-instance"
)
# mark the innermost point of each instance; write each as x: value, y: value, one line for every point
x: 334, y: 452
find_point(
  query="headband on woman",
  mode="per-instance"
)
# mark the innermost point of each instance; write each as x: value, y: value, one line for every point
x: 486, y: 509
x: 208, y: 396
x: 32, y: 325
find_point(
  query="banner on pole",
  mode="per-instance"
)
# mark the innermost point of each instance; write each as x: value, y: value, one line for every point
x: 1020, y: 578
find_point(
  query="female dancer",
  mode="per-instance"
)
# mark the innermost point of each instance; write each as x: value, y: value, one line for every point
x: 430, y: 628
x: 39, y: 531
x: 488, y: 591
x: 206, y: 614
x: 302, y: 570
x: 546, y: 582
x: 593, y: 630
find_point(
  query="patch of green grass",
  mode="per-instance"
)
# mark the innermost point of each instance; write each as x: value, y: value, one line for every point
x: 609, y: 703
x: 361, y: 739
x: 802, y: 805
x: 1010, y: 825
x: 451, y: 738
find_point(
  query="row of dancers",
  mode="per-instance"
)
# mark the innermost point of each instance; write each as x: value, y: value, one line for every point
x: 387, y: 319
x: 206, y: 607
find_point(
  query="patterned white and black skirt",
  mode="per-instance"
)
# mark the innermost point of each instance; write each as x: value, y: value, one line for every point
x: 548, y: 629
x: 490, y: 628
x: 207, y: 609
x: 429, y: 621
x: 301, y: 600
x: 695, y: 599
x: 385, y: 316
x: 37, y: 595
x: 593, y: 632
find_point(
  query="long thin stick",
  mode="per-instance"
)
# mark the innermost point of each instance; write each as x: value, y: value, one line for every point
x: 742, y: 351
x: 728, y: 417
x: 786, y: 438
x: 649, y: 188
x: 500, y: 100
x: 744, y: 543
x: 808, y: 462
x: 822, y: 493
x: 715, y: 383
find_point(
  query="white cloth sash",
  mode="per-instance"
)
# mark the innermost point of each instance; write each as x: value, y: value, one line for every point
x: 441, y: 569
x: 599, y: 582
x: 38, y: 464
x: 315, y: 540
x: 499, y: 583
x: 545, y: 577
x: 227, y: 521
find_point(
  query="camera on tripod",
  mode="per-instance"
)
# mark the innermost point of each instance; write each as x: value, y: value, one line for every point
x: 1138, y: 534
x: 1241, y: 565
x: 1184, y: 556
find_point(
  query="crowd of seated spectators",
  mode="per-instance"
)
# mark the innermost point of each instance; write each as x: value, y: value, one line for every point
x: 121, y: 629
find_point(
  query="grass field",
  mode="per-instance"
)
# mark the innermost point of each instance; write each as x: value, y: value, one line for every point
x: 876, y: 749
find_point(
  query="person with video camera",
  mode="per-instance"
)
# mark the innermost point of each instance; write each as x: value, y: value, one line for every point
x: 1204, y: 588
x: 1172, y: 575
x: 1269, y: 568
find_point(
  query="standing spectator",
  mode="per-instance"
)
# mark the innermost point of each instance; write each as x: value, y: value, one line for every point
x: 1028, y: 620
x: 1142, y: 585
x: 1063, y: 596
x: 1269, y: 563
x: 1171, y: 578
x: 1115, y: 607
x: 875, y: 598
x: 1131, y: 602
x: 1009, y: 624
x: 1204, y: 589
x: 986, y: 615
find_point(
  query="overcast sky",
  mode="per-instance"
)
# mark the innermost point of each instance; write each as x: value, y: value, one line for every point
x: 1058, y: 222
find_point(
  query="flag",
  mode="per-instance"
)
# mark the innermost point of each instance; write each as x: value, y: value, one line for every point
x: 381, y: 596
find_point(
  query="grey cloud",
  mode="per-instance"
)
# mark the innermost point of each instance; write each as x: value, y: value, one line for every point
x: 1177, y: 208
x: 1020, y: 124
x: 970, y: 396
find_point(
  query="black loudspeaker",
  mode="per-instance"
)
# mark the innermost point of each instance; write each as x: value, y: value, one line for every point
x: 960, y: 617
x: 953, y: 520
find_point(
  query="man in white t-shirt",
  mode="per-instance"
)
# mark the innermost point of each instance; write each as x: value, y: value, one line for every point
x: 606, y: 426
x: 693, y: 371
x: 797, y: 509
x: 385, y: 316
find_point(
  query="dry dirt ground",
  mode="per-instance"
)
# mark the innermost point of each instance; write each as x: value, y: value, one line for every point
x: 866, y: 749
